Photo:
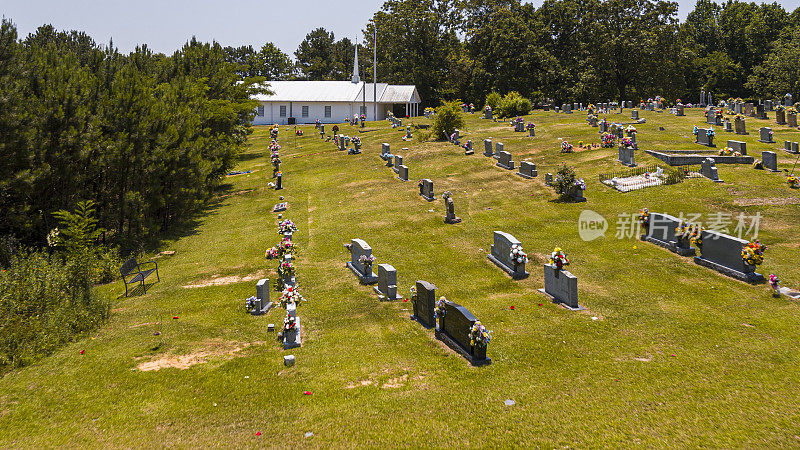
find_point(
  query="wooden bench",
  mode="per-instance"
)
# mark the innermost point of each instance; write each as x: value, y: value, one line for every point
x: 137, y: 273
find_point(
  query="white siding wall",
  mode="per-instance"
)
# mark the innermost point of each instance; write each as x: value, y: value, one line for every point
x: 316, y: 110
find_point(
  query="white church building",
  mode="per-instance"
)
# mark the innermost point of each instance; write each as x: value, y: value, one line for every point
x: 333, y: 101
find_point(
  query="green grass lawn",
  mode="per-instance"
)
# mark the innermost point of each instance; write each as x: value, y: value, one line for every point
x: 679, y: 355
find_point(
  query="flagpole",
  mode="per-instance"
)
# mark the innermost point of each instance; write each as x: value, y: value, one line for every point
x: 375, y: 71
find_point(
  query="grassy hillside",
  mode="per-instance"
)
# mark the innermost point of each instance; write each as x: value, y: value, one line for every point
x: 679, y: 355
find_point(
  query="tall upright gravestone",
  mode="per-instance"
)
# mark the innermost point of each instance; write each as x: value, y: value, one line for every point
x: 387, y: 282
x: 561, y: 286
x: 424, y: 304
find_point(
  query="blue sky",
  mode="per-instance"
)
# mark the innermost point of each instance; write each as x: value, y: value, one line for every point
x: 165, y: 25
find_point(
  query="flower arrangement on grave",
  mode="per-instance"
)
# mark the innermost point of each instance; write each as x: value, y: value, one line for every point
x: 479, y: 336
x: 608, y: 140
x: 580, y: 144
x: 779, y: 108
x: 558, y: 258
x: 413, y: 292
x: 367, y: 261
x: 272, y: 253
x: 289, y: 323
x: 774, y: 282
x: 710, y: 132
x: 728, y: 151
x: 517, y: 120
x: 678, y: 101
x: 630, y: 130
x: 250, y: 304
x: 695, y: 235
x: 274, y: 146
x: 286, y: 247
x: 429, y: 110
x: 298, y: 132
x: 566, y: 147
x: 792, y: 111
x: 439, y: 309
x: 644, y: 218
x: 363, y: 117
x: 695, y: 131
x: 356, y: 141
x: 530, y: 126
x: 286, y: 270
x: 590, y: 109
x: 286, y: 226
x: 291, y: 295
x: 753, y: 253
x: 518, y: 256
x: 487, y: 108
x: 793, y: 181
x: 626, y: 142
x: 757, y: 164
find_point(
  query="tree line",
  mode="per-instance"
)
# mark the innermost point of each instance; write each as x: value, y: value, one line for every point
x: 564, y: 50
x: 146, y: 137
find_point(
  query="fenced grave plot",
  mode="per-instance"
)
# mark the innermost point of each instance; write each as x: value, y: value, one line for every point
x: 627, y: 180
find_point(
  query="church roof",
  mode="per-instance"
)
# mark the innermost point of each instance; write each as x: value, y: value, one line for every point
x: 337, y: 91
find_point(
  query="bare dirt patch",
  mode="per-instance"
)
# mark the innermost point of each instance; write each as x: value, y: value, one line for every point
x: 394, y: 383
x: 210, y: 350
x: 221, y: 281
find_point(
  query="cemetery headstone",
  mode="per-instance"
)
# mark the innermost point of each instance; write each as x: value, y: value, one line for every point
x: 661, y: 231
x: 263, y: 305
x: 454, y: 329
x: 679, y: 110
x: 791, y: 119
x: 279, y: 181
x: 501, y: 255
x: 769, y: 106
x: 728, y: 126
x: 562, y: 287
x: 626, y: 156
x: 385, y: 149
x: 749, y: 109
x: 527, y: 170
x: 387, y: 282
x: 488, y: 149
x: 738, y: 146
x: 711, y: 116
x: 450, y: 215
x: 398, y: 161
x: 362, y: 270
x: 548, y: 179
x: 468, y: 149
x: 487, y: 114
x: 723, y: 253
x: 739, y: 125
x: 702, y: 98
x: 708, y: 169
x: 761, y: 112
x: 504, y: 160
x: 704, y: 138
x: 402, y: 173
x: 425, y: 304
x: 426, y: 189
x: 765, y: 135
x: 780, y: 117
x: 498, y: 147
x: 770, y: 161
x: 635, y: 114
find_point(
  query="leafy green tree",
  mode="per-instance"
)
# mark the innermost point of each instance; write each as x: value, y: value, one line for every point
x: 448, y: 117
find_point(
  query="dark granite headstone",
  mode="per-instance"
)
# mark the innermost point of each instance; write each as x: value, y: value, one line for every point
x: 662, y: 232
x: 770, y: 161
x: 398, y: 161
x: 454, y: 329
x: 425, y: 304
x: 402, y: 172
x: 780, y: 117
x: 703, y: 138
x: 384, y: 149
x: 426, y: 190
x: 501, y: 255
x: 527, y: 170
x: 723, y: 253
x: 635, y: 114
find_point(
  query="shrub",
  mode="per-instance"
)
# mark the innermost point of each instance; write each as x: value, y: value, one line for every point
x: 448, y: 117
x: 45, y: 303
x: 565, y: 182
x: 494, y: 99
x: 513, y: 104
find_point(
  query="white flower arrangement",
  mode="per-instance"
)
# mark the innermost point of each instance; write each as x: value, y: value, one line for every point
x: 518, y: 256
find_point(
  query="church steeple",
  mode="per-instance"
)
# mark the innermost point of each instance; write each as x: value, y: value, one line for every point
x: 356, y: 78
